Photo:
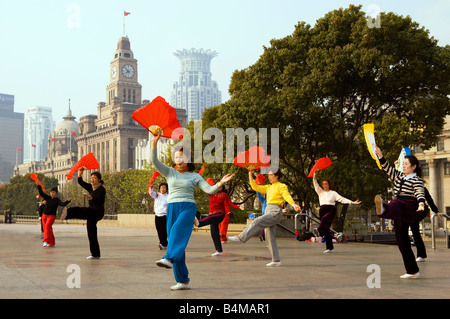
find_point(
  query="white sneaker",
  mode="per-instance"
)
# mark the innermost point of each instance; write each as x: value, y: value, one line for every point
x: 45, y: 244
x: 407, y: 276
x: 235, y: 238
x: 164, y: 263
x: 196, y: 223
x: 217, y: 254
x: 378, y: 204
x: 328, y: 251
x: 274, y: 264
x: 92, y: 257
x: 180, y: 286
x: 420, y: 259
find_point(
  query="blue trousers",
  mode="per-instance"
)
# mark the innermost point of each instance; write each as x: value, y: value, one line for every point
x: 180, y: 220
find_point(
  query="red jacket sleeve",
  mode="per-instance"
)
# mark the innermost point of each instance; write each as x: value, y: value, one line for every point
x: 230, y: 203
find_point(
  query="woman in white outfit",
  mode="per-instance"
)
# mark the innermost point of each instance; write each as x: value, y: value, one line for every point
x: 160, y: 208
x: 327, y: 211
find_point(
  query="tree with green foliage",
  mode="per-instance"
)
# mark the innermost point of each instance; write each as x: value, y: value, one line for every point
x: 20, y: 193
x: 322, y: 83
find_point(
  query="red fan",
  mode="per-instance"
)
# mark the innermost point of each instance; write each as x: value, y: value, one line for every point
x: 35, y: 178
x: 321, y: 164
x: 260, y: 179
x: 159, y: 117
x: 252, y: 159
x: 202, y: 169
x: 154, y: 176
x: 210, y: 181
x: 88, y: 161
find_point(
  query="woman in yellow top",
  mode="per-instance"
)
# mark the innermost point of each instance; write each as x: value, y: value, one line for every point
x: 277, y: 193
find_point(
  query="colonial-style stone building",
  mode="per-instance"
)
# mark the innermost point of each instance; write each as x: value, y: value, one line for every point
x: 435, y: 164
x: 112, y: 134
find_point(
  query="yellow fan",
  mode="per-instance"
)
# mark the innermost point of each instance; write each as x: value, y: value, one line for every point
x: 369, y: 130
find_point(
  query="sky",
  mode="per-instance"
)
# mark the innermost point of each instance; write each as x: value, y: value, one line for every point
x: 55, y: 50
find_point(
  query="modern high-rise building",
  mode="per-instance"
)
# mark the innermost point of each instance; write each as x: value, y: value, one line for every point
x: 38, y: 126
x: 11, y: 137
x: 62, y: 152
x: 195, y: 90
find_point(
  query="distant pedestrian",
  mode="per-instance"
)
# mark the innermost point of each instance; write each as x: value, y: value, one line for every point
x: 415, y: 227
x: 41, y: 207
x: 8, y: 216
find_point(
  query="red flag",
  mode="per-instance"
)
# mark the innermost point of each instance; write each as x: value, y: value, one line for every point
x: 19, y: 150
x: 126, y: 13
x: 32, y: 145
x: 73, y: 133
x: 53, y: 139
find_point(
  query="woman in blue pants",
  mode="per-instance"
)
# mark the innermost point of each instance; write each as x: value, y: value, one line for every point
x: 181, y: 208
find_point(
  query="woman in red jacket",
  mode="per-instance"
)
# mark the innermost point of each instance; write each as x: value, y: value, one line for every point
x: 219, y: 207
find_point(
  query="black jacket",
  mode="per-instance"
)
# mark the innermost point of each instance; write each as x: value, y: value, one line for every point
x: 52, y: 203
x: 98, y: 195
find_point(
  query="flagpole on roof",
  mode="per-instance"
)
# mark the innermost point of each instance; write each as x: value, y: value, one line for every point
x: 124, y: 15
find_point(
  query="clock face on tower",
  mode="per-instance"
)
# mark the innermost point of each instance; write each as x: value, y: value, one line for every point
x: 128, y: 71
x: 113, y: 71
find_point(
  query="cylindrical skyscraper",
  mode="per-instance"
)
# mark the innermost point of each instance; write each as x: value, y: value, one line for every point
x: 195, y: 90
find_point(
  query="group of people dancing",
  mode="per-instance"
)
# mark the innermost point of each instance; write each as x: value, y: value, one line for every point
x: 176, y: 211
x: 96, y: 195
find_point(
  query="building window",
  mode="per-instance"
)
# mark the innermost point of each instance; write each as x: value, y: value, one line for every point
x: 425, y: 170
x: 447, y: 168
x: 124, y: 95
x: 440, y: 145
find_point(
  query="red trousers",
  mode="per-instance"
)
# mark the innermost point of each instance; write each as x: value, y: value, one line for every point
x: 47, y: 223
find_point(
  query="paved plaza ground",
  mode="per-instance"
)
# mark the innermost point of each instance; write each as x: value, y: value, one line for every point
x: 127, y: 268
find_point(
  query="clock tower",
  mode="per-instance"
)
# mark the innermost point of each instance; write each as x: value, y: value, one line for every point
x: 112, y: 135
x: 123, y: 75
